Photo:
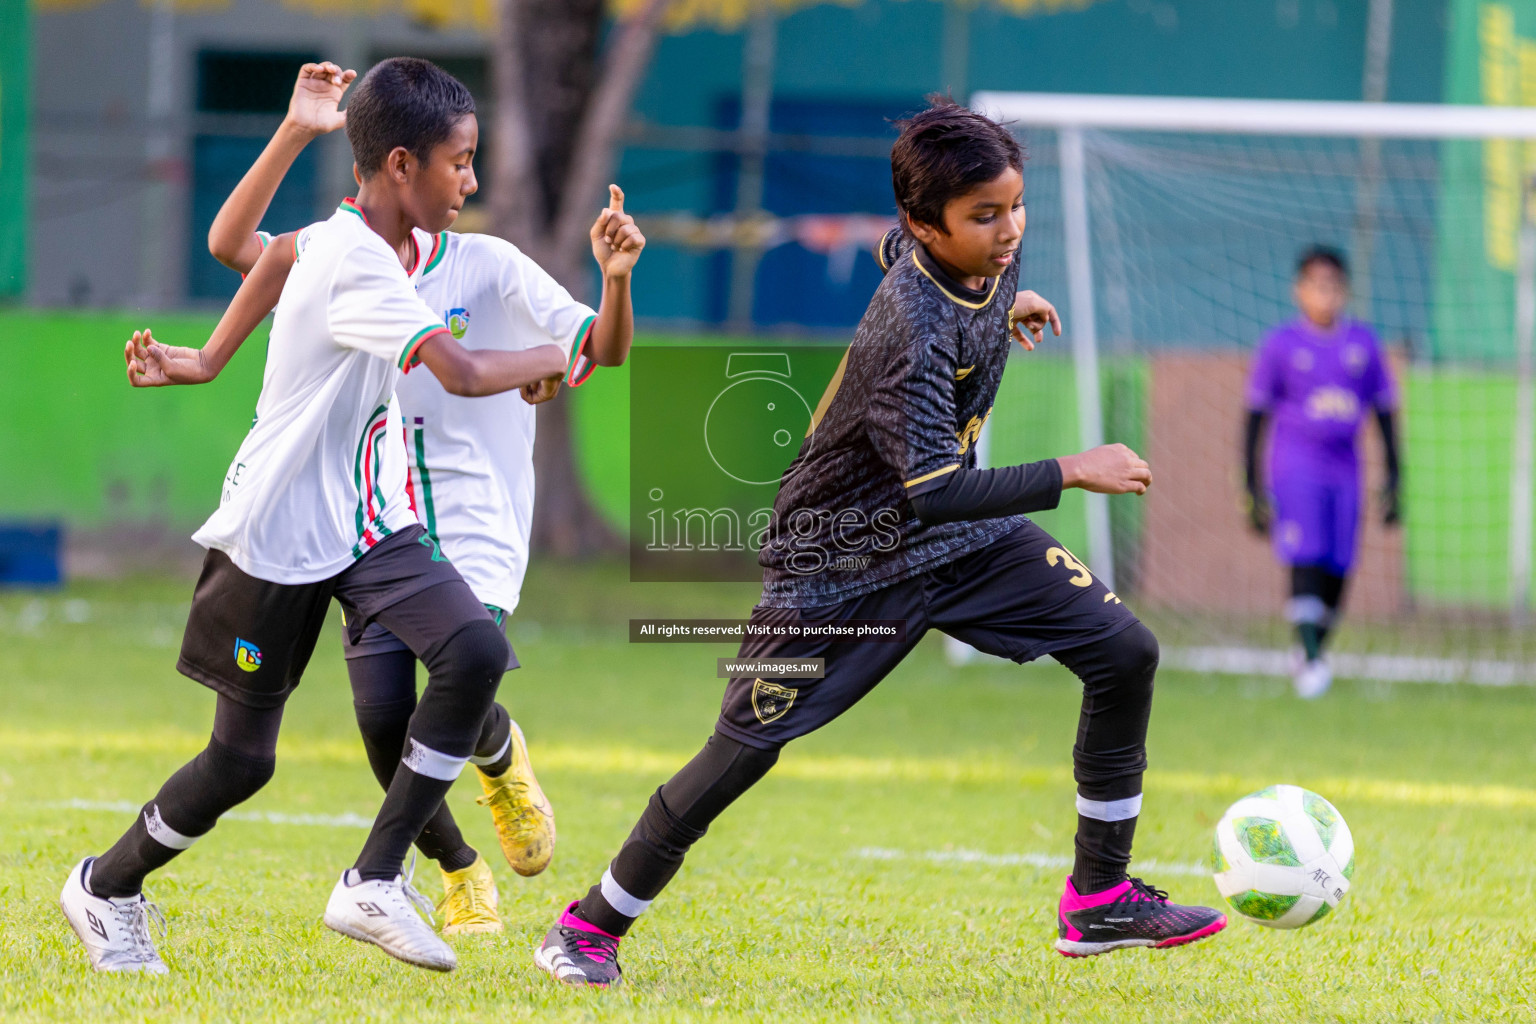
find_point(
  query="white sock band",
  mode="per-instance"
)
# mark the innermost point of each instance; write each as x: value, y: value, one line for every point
x: 1307, y: 609
x: 162, y: 833
x: 496, y: 756
x: 620, y: 900
x: 1109, y: 810
x: 434, y: 764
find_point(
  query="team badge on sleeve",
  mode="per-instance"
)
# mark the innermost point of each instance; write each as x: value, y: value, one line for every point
x: 457, y: 321
x: 770, y: 701
x: 247, y: 655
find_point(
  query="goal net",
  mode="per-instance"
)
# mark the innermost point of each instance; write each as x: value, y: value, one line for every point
x: 1167, y: 231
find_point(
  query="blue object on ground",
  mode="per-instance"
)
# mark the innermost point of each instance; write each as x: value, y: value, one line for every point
x: 30, y: 554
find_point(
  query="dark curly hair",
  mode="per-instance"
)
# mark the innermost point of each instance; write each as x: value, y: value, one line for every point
x: 403, y: 101
x: 945, y: 152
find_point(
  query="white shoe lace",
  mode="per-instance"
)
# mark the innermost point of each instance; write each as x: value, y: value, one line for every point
x: 134, y: 918
x: 413, y: 896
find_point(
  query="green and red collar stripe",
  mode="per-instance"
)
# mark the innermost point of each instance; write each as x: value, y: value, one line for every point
x: 439, y: 247
x: 350, y: 205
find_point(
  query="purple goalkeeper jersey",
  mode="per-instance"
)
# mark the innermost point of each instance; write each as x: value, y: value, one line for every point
x: 1318, y: 385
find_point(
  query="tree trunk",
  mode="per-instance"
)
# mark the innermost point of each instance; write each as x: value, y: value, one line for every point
x: 559, y: 111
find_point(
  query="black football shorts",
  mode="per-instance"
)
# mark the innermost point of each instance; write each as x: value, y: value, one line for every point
x: 250, y: 639
x: 1020, y: 597
x: 378, y: 640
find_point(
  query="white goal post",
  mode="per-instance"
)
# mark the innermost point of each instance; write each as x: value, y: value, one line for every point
x: 1070, y: 115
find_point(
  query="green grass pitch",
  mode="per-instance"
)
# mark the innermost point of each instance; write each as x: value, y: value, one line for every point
x: 896, y: 866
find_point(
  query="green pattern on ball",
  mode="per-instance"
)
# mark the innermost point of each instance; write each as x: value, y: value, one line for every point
x: 1266, y: 842
x: 1218, y: 859
x: 1323, y: 816
x: 1267, y: 793
x: 1262, y: 906
x: 1349, y: 869
x: 1322, y: 912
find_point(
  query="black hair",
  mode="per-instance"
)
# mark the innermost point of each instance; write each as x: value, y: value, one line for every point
x: 403, y: 101
x: 945, y: 152
x: 1326, y: 255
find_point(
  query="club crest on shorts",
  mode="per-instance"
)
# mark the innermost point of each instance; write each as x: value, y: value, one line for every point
x: 247, y: 655
x: 457, y: 321
x: 770, y: 700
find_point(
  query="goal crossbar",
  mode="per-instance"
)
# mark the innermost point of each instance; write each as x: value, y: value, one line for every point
x: 1259, y: 117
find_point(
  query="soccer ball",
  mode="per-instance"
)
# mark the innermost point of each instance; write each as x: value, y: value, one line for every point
x: 1283, y: 857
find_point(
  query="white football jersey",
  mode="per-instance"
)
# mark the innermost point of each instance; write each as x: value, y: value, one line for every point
x: 471, y: 459
x: 320, y: 478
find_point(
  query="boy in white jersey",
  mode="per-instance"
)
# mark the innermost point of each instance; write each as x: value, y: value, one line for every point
x: 471, y: 468
x: 315, y: 506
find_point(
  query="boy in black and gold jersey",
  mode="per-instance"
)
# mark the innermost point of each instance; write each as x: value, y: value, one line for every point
x: 883, y: 515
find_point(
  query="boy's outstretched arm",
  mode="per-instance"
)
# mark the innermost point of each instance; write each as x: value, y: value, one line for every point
x: 153, y: 365
x: 616, y: 245
x: 311, y: 113
x: 1032, y: 487
x: 473, y: 373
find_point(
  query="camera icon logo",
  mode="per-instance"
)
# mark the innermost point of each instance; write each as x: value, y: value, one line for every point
x: 754, y: 424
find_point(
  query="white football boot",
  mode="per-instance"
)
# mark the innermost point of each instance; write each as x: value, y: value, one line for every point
x: 385, y: 913
x: 1313, y: 679
x: 115, y: 931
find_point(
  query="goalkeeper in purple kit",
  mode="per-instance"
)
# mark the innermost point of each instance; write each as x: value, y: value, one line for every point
x: 1315, y: 378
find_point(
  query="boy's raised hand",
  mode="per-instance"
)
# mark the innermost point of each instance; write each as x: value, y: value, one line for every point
x: 1031, y: 314
x: 316, y: 95
x: 616, y: 241
x: 153, y: 365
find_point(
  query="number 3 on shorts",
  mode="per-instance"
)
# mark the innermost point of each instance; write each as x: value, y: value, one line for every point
x: 1061, y: 556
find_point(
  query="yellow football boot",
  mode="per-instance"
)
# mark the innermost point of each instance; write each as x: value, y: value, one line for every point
x: 469, y: 900
x: 525, y: 823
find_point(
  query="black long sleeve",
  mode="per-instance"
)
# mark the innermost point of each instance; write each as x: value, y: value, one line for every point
x: 1387, y: 420
x: 1251, y: 450
x: 991, y: 493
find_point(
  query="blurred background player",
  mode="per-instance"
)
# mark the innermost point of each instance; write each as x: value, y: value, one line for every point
x: 470, y: 474
x: 1314, y: 379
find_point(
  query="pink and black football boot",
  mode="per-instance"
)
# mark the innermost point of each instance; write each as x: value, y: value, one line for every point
x: 578, y: 953
x: 1129, y: 914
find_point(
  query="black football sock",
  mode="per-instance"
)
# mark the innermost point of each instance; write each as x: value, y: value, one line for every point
x: 1311, y: 636
x: 1110, y: 755
x: 1310, y: 609
x: 1101, y: 851
x: 186, y: 808
x: 676, y: 818
x: 462, y: 674
x: 383, y: 699
x: 1332, y: 595
x: 493, y: 751
x: 384, y: 728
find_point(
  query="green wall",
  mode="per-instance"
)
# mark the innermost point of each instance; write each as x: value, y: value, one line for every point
x: 84, y: 447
